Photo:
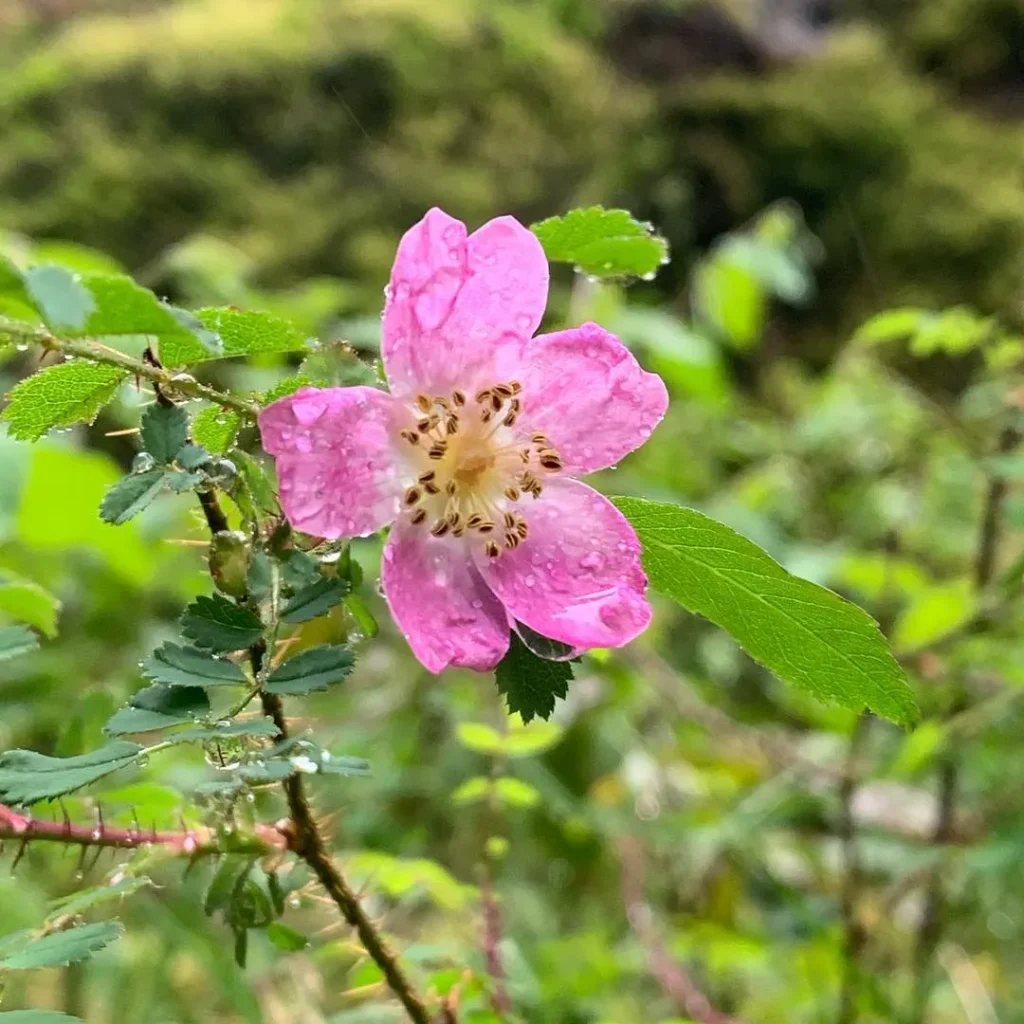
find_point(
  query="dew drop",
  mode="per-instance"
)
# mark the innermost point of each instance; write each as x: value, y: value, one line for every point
x: 592, y: 562
x: 530, y: 581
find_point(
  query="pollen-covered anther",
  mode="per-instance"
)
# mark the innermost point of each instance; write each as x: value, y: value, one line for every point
x: 510, y: 519
x: 425, y: 478
x: 458, y: 397
x: 442, y: 402
x: 451, y: 488
x: 451, y: 425
x: 424, y: 402
x: 540, y: 440
x: 418, y: 516
x: 431, y: 488
x: 474, y: 520
x: 550, y: 459
x: 523, y: 529
x: 492, y: 549
x: 525, y: 454
x: 437, y: 450
x: 413, y: 496
x: 411, y: 436
x: 512, y: 493
x: 511, y: 540
x: 485, y: 527
x: 428, y: 423
x: 440, y: 528
x: 483, y: 396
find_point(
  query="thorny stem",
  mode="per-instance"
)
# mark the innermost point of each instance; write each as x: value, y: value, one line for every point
x: 932, y: 918
x: 308, y: 843
x: 674, y: 979
x: 189, y: 842
x: 176, y: 383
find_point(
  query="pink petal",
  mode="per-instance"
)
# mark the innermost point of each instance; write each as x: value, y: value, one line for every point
x: 585, y: 390
x: 335, y: 464
x: 440, y: 602
x: 459, y: 309
x: 577, y: 577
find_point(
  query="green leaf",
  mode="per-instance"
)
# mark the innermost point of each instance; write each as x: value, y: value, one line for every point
x: 216, y: 428
x: 805, y: 634
x: 315, y: 600
x: 283, y: 388
x: 285, y: 938
x: 313, y: 669
x: 892, y: 325
x: 63, y: 299
x: 61, y: 948
x: 934, y: 613
x: 254, y: 727
x: 530, y: 740
x: 249, y: 332
x: 28, y: 602
x: 730, y: 301
x: 37, y: 1017
x: 98, y: 895
x: 16, y: 640
x: 603, y: 243
x: 479, y: 738
x: 27, y: 777
x: 472, y: 791
x: 60, y: 396
x: 164, y: 431
x: 231, y: 871
x: 186, y: 666
x: 335, y: 365
x: 219, y: 625
x: 530, y: 684
x: 131, y: 494
x: 516, y: 793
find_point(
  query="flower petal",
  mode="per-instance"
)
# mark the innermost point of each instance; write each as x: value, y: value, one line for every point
x: 441, y: 604
x: 577, y: 577
x: 334, y: 459
x: 585, y: 390
x: 459, y: 310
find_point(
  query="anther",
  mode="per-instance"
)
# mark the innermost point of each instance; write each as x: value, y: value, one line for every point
x: 512, y: 493
x: 428, y: 423
x: 438, y: 449
x: 495, y: 402
x: 524, y: 454
x: 486, y: 527
x: 486, y: 416
x: 454, y: 520
x: 515, y: 405
x: 523, y: 529
x: 418, y: 516
x: 510, y: 419
x: 492, y: 549
x: 550, y: 459
x: 474, y: 520
x: 504, y: 390
x: 442, y: 402
x: 458, y: 397
x: 483, y: 396
x: 424, y: 402
x: 452, y: 425
x: 451, y: 488
x: 540, y: 440
x: 510, y: 519
x: 425, y: 478
x: 413, y: 495
x: 515, y: 386
x: 511, y: 540
x: 440, y: 528
x: 411, y: 436
x: 431, y: 488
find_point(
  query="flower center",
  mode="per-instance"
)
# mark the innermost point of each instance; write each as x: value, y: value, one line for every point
x: 472, y: 467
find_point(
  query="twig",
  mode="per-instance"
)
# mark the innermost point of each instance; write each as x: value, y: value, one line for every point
x: 492, y: 949
x: 932, y: 918
x: 189, y: 842
x: 854, y: 936
x: 176, y: 383
x: 674, y: 980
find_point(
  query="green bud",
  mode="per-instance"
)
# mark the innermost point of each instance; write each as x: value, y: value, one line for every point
x: 229, y: 562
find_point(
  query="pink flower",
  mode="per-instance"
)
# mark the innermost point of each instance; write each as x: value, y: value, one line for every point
x: 473, y: 456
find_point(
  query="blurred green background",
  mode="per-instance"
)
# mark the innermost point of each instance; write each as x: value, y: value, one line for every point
x: 813, y: 163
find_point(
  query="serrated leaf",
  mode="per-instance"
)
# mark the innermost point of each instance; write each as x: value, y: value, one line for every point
x: 27, y: 777
x: 531, y: 685
x: 60, y: 396
x: 65, y: 302
x: 603, y: 243
x: 16, y: 640
x: 216, y: 428
x: 311, y: 670
x: 250, y: 332
x: 285, y: 938
x: 28, y: 602
x: 283, y: 388
x: 336, y: 365
x: 187, y: 666
x: 97, y: 305
x: 131, y: 494
x: 315, y: 600
x: 164, y: 431
x: 61, y: 948
x: 219, y: 625
x: 192, y: 457
x: 37, y: 1017
x: 805, y: 634
x: 98, y: 895
x: 254, y: 727
x: 128, y: 721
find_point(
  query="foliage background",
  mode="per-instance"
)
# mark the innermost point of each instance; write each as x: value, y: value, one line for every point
x: 269, y: 154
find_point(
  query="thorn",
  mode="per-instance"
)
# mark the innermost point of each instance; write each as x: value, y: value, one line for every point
x: 82, y: 851
x: 67, y: 818
x: 96, y: 859
x: 19, y: 854
x: 122, y: 433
